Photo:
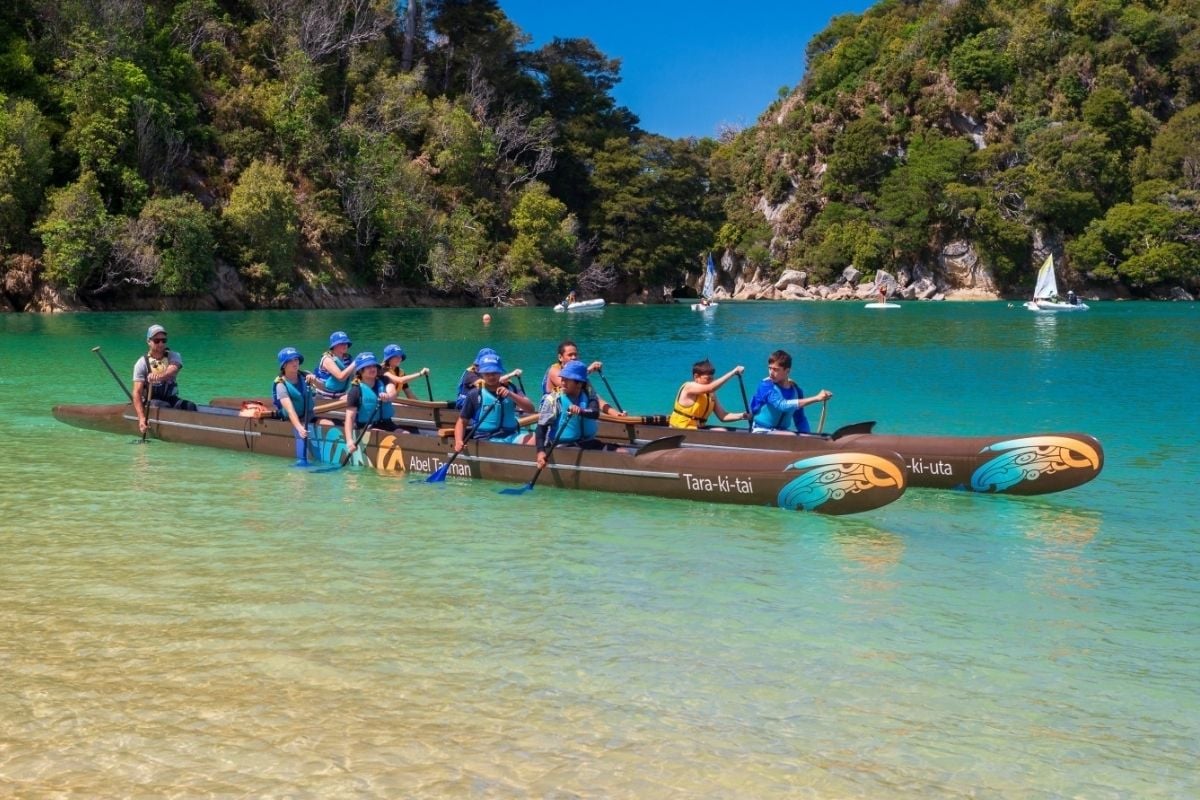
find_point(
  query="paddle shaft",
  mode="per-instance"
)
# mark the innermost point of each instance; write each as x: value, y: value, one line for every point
x: 611, y: 393
x: 117, y: 378
x: 428, y: 386
x: 824, y: 408
x: 745, y: 402
x: 440, y: 473
x: 557, y: 435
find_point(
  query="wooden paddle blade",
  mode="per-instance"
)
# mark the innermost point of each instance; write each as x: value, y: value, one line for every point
x: 665, y: 443
x: 852, y: 428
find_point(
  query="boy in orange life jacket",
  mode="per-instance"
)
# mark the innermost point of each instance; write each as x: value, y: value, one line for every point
x: 697, y: 398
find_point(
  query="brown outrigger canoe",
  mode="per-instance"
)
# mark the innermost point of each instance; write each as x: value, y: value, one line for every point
x: 843, y: 482
x: 1024, y: 464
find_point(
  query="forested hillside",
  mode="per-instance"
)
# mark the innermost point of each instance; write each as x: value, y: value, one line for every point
x: 237, y: 153
x: 269, y: 149
x: 1019, y: 127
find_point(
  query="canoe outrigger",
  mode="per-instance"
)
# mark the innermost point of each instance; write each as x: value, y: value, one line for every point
x: 841, y: 482
x: 1022, y: 464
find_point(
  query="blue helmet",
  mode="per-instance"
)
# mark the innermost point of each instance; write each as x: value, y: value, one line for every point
x: 393, y: 350
x: 289, y: 354
x: 490, y: 363
x: 485, y: 352
x: 364, y: 360
x: 575, y: 371
x: 338, y: 337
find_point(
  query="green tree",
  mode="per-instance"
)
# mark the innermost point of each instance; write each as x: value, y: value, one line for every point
x: 183, y: 241
x: 25, y: 154
x: 263, y: 225
x: 76, y: 234
x: 912, y: 196
x: 1143, y: 244
x: 545, y: 240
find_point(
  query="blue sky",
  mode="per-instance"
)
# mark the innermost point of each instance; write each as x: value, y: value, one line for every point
x: 689, y: 67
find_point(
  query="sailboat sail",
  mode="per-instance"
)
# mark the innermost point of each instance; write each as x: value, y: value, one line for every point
x: 1047, y: 286
x: 710, y: 280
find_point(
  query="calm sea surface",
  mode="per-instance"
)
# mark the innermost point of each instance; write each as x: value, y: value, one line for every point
x: 186, y: 622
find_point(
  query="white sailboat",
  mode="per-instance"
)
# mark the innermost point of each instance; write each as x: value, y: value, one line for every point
x: 1045, y: 293
x: 710, y: 286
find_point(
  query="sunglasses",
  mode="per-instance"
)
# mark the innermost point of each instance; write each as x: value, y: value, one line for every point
x: 161, y: 340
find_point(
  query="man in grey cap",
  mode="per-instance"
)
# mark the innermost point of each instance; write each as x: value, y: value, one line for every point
x: 154, y: 378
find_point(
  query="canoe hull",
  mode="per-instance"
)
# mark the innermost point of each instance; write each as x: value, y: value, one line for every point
x: 1025, y: 464
x: 841, y: 483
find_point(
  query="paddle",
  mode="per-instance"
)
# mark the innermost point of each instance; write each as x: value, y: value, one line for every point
x: 439, y: 474
x: 129, y: 394
x: 611, y: 393
x: 537, y: 473
x: 357, y: 440
x: 428, y: 386
x: 745, y: 402
x: 824, y: 408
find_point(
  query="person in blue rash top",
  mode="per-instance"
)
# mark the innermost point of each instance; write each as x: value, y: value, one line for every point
x: 491, y: 407
x: 778, y: 404
x: 368, y: 400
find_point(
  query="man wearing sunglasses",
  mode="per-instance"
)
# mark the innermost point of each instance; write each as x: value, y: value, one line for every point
x: 154, y: 378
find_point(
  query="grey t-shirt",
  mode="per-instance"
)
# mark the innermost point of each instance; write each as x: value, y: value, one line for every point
x: 145, y: 365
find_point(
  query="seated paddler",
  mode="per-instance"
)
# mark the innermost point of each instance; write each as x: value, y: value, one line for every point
x: 292, y: 393
x: 368, y: 400
x: 336, y: 367
x: 490, y: 408
x: 393, y: 357
x: 154, y: 383
x: 569, y: 417
x: 551, y: 381
x: 778, y: 404
x: 697, y: 398
x: 471, y: 377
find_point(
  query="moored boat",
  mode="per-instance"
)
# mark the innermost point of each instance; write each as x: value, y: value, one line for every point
x: 835, y: 483
x: 1020, y: 464
x: 582, y: 305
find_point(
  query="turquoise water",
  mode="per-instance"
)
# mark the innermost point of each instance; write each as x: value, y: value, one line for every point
x: 187, y: 622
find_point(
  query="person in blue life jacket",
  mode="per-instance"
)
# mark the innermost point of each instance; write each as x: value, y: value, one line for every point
x: 471, y: 377
x: 292, y: 391
x: 336, y: 367
x: 368, y: 400
x: 551, y: 382
x: 574, y: 409
x: 490, y: 407
x: 154, y: 383
x: 778, y: 404
x: 393, y: 357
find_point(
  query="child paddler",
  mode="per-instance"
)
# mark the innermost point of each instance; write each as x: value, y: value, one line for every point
x: 490, y: 407
x: 569, y: 416
x: 336, y: 367
x: 778, y: 404
x: 471, y: 377
x: 393, y: 357
x: 368, y: 400
x: 697, y: 398
x: 291, y: 392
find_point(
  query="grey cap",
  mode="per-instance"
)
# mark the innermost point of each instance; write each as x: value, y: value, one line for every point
x: 153, y: 330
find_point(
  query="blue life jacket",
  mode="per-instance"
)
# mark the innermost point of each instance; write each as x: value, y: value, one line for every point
x: 465, y: 384
x: 546, y: 387
x: 370, y: 403
x: 766, y: 417
x: 500, y: 421
x: 576, y: 427
x: 332, y: 384
x: 301, y: 396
